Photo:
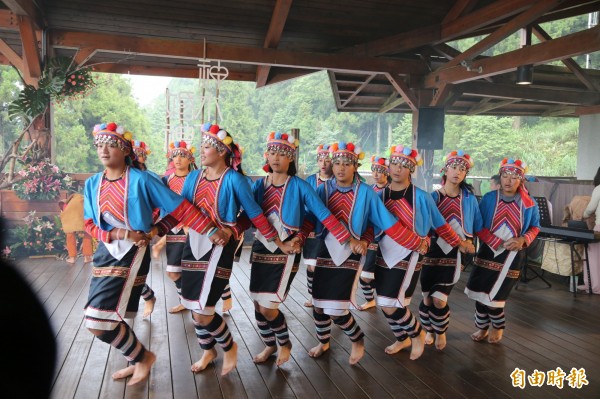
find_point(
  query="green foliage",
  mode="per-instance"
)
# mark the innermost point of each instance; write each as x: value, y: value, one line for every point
x: 60, y: 79
x: 110, y: 101
x: 37, y: 236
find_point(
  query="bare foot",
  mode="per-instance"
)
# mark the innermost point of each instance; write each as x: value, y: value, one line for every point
x: 495, y: 335
x: 318, y: 350
x: 367, y: 305
x: 123, y: 373
x: 358, y: 351
x: 265, y: 354
x: 149, y: 307
x: 284, y: 354
x: 440, y: 341
x: 429, y: 338
x: 142, y: 369
x: 479, y: 335
x: 308, y: 303
x: 397, y: 346
x: 418, y: 346
x: 227, y: 305
x: 207, y: 357
x: 230, y: 359
x: 88, y: 259
x: 71, y: 260
x: 177, y: 309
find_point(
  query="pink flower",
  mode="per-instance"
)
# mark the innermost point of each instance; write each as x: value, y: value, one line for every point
x: 49, y: 246
x: 6, y: 251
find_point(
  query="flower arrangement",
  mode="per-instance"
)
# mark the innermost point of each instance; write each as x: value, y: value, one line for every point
x: 37, y: 236
x: 77, y: 84
x: 41, y: 181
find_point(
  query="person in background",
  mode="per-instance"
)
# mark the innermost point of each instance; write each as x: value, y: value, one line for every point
x: 594, y: 248
x: 442, y: 264
x: 311, y: 245
x: 71, y: 219
x: 511, y: 221
x: 381, y: 176
x: 593, y: 206
x: 495, y: 182
x: 183, y: 159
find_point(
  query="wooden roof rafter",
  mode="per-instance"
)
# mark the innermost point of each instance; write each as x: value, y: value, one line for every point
x: 280, y: 14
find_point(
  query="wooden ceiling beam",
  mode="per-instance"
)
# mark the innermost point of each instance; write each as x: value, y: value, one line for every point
x: 486, y: 105
x: 171, y: 72
x: 543, y: 36
x: 245, y: 55
x: 405, y: 91
x: 83, y: 55
x: 434, y: 34
x: 12, y: 57
x: 525, y: 18
x: 444, y: 95
x: 589, y: 110
x: 26, y: 8
x: 32, y: 61
x: 278, y: 19
x: 587, y: 41
x: 8, y: 20
x: 518, y: 92
x: 559, y: 111
x: 358, y: 89
x: 390, y: 105
x: 459, y: 8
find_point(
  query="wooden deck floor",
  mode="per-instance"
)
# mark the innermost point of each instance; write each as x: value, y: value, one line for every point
x: 546, y: 329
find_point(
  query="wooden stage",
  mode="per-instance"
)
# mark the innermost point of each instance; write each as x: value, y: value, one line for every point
x: 547, y: 328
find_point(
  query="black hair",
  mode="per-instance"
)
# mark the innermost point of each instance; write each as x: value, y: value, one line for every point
x: 292, y: 171
x: 597, y: 178
x: 496, y: 179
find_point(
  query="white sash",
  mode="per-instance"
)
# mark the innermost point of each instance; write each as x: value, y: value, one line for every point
x: 338, y: 252
x: 504, y: 234
x: 118, y: 248
x: 446, y: 248
x: 502, y: 275
x: 392, y: 251
x: 210, y: 274
x: 199, y: 243
x: 279, y: 295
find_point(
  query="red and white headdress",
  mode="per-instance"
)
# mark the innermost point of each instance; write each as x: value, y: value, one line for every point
x: 405, y: 156
x: 513, y: 167
x: 283, y: 143
x: 216, y: 137
x: 379, y: 164
x: 347, y: 152
x: 323, y: 151
x: 115, y: 135
x: 181, y: 148
x: 457, y: 158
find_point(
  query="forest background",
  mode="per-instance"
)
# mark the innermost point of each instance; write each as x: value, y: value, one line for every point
x: 549, y: 145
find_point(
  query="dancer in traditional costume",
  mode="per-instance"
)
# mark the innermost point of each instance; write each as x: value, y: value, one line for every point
x: 398, y: 267
x: 311, y: 245
x: 442, y: 264
x: 511, y: 221
x: 118, y: 209
x: 182, y: 156
x: 141, y: 151
x: 381, y: 176
x: 284, y: 199
x: 359, y: 208
x: 220, y: 191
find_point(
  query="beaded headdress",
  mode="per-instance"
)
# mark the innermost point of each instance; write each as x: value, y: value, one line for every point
x: 379, y: 164
x: 114, y: 135
x: 513, y: 167
x: 216, y: 137
x: 405, y: 156
x: 457, y: 158
x: 181, y: 148
x: 346, y: 152
x: 283, y: 143
x: 322, y: 151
